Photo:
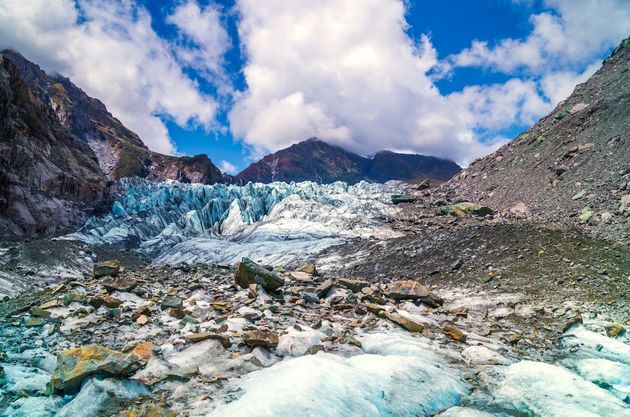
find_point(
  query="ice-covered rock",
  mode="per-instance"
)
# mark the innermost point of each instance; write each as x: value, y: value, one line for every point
x: 273, y: 223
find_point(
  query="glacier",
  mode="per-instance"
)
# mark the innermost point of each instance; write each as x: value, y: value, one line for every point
x: 271, y: 223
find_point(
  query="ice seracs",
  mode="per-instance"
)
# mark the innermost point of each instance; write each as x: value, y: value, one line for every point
x: 272, y: 223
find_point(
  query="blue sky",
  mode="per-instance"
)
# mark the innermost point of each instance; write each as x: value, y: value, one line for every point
x: 236, y: 79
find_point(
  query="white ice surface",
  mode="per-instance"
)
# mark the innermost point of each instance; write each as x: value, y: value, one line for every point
x: 540, y: 389
x: 412, y: 380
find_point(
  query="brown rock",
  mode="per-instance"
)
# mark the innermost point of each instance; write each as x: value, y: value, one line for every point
x: 142, y: 320
x: 262, y: 338
x: 454, y: 333
x: 106, y: 268
x: 412, y: 290
x: 248, y: 272
x: 119, y: 284
x: 405, y: 323
x: 352, y: 284
x: 199, y: 337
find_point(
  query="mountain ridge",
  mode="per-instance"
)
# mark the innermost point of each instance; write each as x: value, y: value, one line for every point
x: 318, y: 161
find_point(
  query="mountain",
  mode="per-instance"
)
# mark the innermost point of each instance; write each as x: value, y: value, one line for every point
x: 573, y: 165
x: 316, y: 160
x: 50, y: 180
x: 120, y: 151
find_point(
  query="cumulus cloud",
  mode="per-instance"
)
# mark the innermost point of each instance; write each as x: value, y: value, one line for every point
x: 347, y: 72
x: 568, y: 35
x: 228, y: 167
x: 109, y: 49
x: 203, y: 40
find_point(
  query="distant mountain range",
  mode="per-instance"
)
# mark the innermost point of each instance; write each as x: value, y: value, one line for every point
x: 316, y: 160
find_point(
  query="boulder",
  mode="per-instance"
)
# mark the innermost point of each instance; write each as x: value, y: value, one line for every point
x: 119, y: 284
x: 323, y: 288
x: 353, y: 285
x: 172, y: 302
x: 454, y: 333
x: 76, y: 365
x: 406, y: 323
x: 412, y: 290
x: 467, y: 209
x: 102, y: 269
x: 261, y: 338
x: 248, y: 272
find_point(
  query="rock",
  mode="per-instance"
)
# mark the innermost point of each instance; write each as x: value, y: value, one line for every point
x: 301, y: 276
x: 520, y: 210
x: 248, y: 272
x: 466, y: 209
x: 261, y: 338
x: 102, y: 269
x: 560, y: 169
x: 585, y: 215
x: 457, y: 265
x: 422, y: 185
x: 172, y: 302
x: 312, y: 350
x: 119, y: 284
x: 615, y: 330
x: 105, y: 300
x: 75, y: 365
x: 49, y: 304
x: 572, y: 322
x: 607, y: 217
x: 406, y: 323
x: 374, y: 308
x: 454, y: 333
x: 73, y: 297
x: 401, y: 198
x: 352, y: 284
x: 323, y: 288
x: 412, y: 290
x: 177, y: 313
x: 310, y: 297
x: 579, y: 195
x: 309, y: 269
x: 200, y: 337
x: 142, y: 320
x: 624, y: 207
x: 39, y: 312
x: 183, y: 373
x: 514, y: 338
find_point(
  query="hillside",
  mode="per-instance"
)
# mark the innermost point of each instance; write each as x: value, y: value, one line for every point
x: 573, y: 165
x: 316, y: 160
x: 120, y: 152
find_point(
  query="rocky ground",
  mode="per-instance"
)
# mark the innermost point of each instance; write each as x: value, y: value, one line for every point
x: 465, y: 313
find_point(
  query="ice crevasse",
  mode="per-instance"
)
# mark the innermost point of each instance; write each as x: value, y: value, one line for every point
x: 273, y: 223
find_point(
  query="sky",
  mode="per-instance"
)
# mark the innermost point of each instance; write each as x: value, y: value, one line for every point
x: 237, y: 79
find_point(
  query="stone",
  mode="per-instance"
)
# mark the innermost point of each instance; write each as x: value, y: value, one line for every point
x: 105, y: 300
x: 148, y: 410
x: 624, y: 207
x: 406, y: 323
x: 200, y: 337
x: 301, y: 276
x: 142, y: 320
x: 401, y: 198
x: 572, y: 322
x: 374, y: 308
x: 615, y: 330
x: 73, y: 297
x: 76, y: 365
x: 412, y: 290
x: 172, y: 302
x: 49, y: 304
x: 467, y: 209
x: 40, y: 312
x: 248, y: 272
x: 560, y: 169
x: 323, y: 288
x: 309, y: 269
x: 520, y: 210
x: 579, y: 195
x: 177, y: 313
x: 106, y: 268
x: 353, y: 285
x: 261, y: 338
x: 119, y: 284
x: 457, y: 265
x: 454, y: 333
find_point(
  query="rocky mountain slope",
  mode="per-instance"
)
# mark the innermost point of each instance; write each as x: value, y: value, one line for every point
x: 120, y: 152
x: 50, y: 180
x: 573, y: 165
x: 315, y: 160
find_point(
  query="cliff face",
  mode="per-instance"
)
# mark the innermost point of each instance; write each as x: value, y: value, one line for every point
x: 315, y: 160
x: 50, y: 180
x: 120, y: 151
x: 574, y: 164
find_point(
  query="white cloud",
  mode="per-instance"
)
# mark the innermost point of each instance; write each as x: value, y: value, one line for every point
x: 203, y: 40
x: 113, y: 53
x: 346, y: 72
x: 228, y: 167
x: 567, y: 36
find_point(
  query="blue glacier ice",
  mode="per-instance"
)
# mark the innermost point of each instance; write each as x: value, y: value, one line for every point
x: 274, y: 223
